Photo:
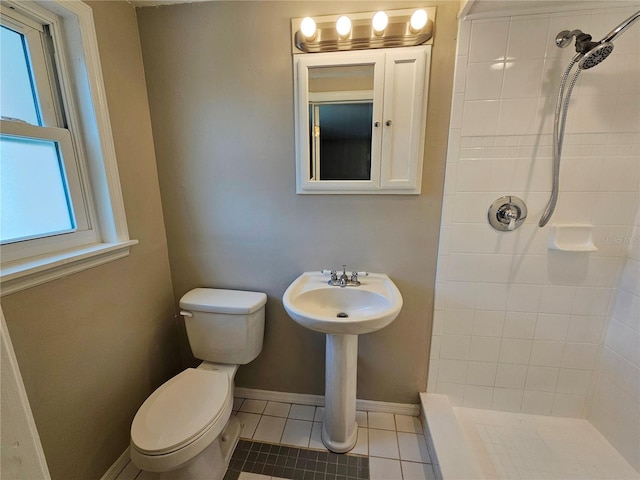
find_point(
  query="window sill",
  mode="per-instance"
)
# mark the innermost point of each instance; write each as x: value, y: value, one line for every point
x: 20, y: 275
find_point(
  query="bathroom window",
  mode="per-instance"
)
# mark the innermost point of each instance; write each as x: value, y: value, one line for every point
x: 40, y: 189
x: 60, y: 202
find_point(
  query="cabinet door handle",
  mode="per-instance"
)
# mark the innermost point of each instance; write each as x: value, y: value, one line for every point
x: 376, y: 124
x: 388, y: 123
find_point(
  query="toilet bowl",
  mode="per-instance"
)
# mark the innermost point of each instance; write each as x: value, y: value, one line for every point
x: 185, y: 430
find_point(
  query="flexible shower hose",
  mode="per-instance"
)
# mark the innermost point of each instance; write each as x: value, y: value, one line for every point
x: 562, y: 105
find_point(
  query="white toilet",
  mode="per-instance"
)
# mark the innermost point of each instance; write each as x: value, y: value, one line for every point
x: 184, y: 430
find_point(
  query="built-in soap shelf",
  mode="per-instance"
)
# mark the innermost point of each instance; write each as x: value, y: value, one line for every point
x: 572, y: 238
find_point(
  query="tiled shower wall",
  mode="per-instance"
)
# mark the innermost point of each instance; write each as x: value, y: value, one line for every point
x: 517, y: 326
x: 615, y: 409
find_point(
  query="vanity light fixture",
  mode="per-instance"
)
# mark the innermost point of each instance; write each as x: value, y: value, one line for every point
x: 366, y: 30
x: 418, y: 20
x: 308, y: 28
x: 343, y: 26
x: 379, y: 22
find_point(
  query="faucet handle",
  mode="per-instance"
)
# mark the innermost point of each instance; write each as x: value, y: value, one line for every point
x: 355, y: 275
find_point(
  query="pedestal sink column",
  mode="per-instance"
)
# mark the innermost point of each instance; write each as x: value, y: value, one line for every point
x: 339, y: 429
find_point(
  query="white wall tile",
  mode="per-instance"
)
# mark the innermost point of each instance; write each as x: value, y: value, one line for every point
x: 568, y: 405
x: 459, y: 295
x: 507, y: 399
x: 515, y: 350
x: 526, y: 38
x: 477, y: 396
x: 484, y: 349
x: 574, y: 381
x: 470, y: 207
x: 473, y: 175
x: 452, y: 371
x: 523, y: 79
x: 580, y: 355
x: 463, y: 267
x: 517, y: 290
x: 465, y: 237
x: 495, y: 268
x: 520, y: 325
x: 557, y: 298
x: 488, y: 323
x: 481, y: 373
x: 615, y: 208
x: 585, y: 328
x: 484, y: 81
x: 480, y: 117
x: 591, y: 301
x: 542, y: 378
x: 488, y: 41
x: 623, y: 174
x: 537, y: 403
x: 460, y: 76
x: 458, y: 321
x: 511, y: 376
x: 518, y: 116
x: 524, y: 298
x: 491, y: 296
x: 551, y: 327
x: 627, y: 114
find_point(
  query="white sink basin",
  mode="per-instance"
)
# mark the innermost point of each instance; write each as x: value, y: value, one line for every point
x: 365, y: 308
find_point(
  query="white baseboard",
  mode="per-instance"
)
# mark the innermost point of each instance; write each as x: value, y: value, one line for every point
x: 318, y: 401
x: 117, y: 467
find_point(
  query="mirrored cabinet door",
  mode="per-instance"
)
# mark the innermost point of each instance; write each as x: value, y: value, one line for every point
x: 360, y: 120
x: 339, y: 103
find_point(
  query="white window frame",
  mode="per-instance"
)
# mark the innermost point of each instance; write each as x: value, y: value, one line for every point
x: 102, y: 235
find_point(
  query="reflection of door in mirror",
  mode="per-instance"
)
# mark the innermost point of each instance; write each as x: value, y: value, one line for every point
x: 340, y: 122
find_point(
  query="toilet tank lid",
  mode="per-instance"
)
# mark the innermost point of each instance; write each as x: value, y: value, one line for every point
x: 215, y: 300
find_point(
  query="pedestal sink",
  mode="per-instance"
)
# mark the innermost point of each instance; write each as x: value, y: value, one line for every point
x: 342, y: 313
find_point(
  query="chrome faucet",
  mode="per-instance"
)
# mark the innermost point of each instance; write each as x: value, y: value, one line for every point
x: 344, y: 280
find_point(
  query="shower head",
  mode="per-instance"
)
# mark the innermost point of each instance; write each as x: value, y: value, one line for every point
x: 591, y: 53
x: 596, y: 55
x: 596, y: 52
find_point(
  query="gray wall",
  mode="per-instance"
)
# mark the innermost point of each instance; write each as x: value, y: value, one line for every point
x: 220, y: 83
x: 92, y: 346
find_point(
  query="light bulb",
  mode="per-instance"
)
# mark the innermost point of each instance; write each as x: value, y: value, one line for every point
x: 343, y: 26
x: 418, y: 20
x: 380, y: 21
x: 308, y: 27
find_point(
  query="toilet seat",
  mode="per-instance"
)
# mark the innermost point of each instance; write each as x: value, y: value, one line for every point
x: 181, y: 418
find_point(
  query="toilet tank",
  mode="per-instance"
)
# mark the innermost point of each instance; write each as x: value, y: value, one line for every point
x: 224, y: 326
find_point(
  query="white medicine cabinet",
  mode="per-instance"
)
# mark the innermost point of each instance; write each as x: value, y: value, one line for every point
x: 361, y: 120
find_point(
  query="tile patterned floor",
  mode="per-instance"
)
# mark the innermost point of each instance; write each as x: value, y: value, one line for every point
x: 394, y: 445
